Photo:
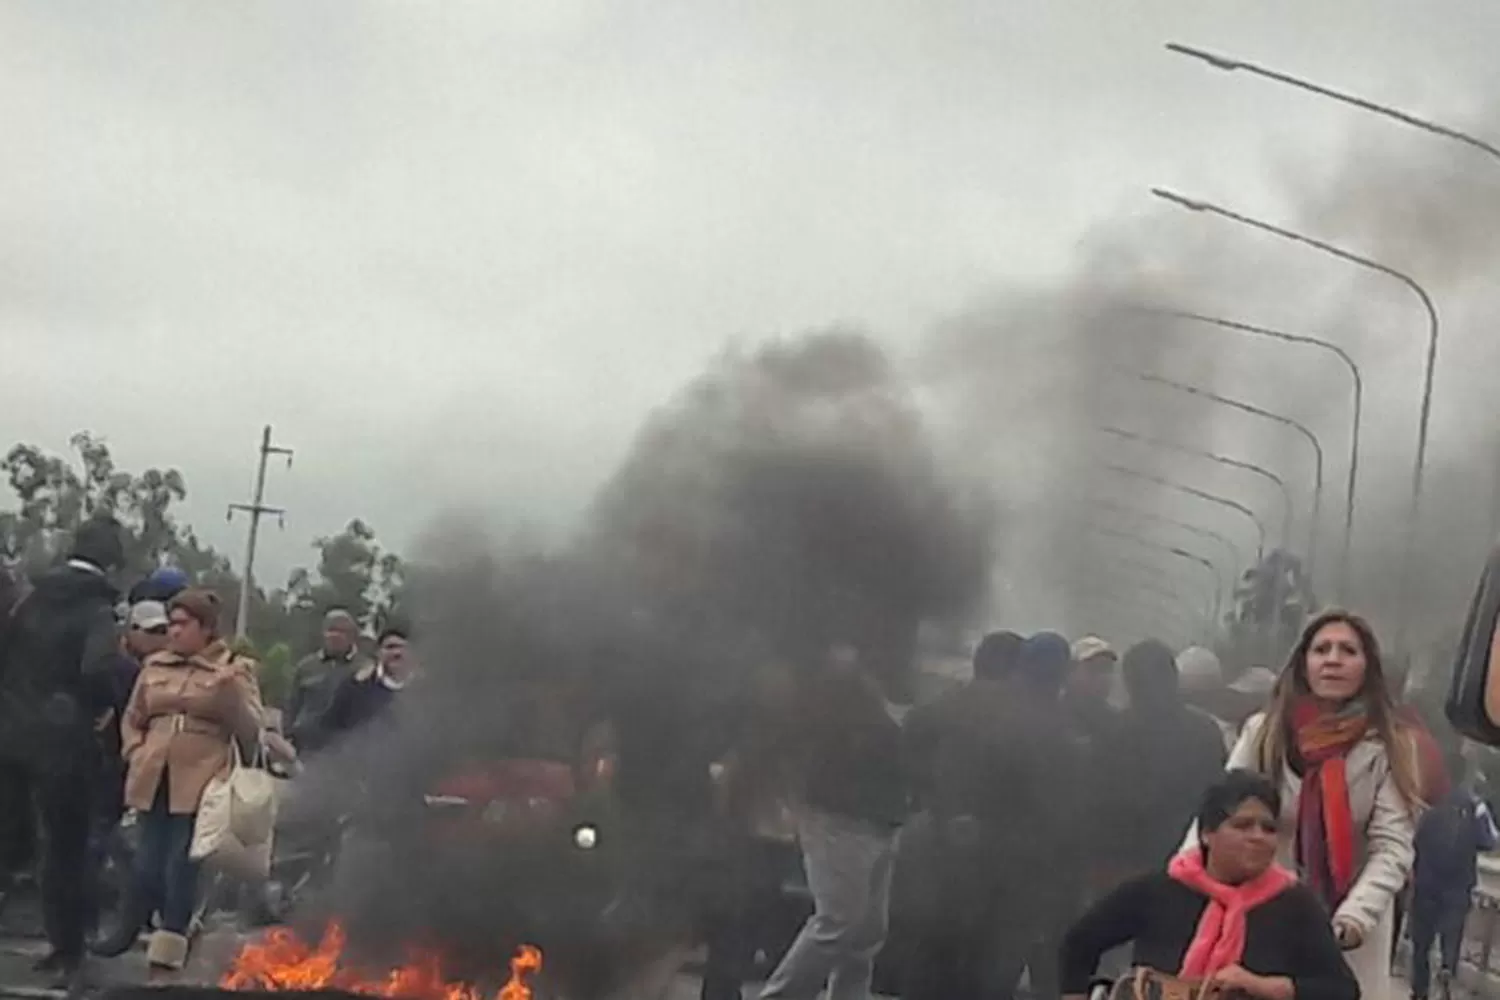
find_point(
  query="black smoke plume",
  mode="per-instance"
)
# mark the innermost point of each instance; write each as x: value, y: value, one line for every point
x: 788, y: 498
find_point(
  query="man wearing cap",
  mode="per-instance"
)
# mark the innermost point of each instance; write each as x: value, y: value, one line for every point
x: 309, y: 713
x: 1090, y: 681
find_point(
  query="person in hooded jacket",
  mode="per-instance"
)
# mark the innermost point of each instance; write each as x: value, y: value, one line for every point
x: 1175, y: 751
x: 55, y: 689
x: 948, y: 769
x: 993, y: 764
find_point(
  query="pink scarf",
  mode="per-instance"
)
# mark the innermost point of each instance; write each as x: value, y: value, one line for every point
x: 1220, y: 939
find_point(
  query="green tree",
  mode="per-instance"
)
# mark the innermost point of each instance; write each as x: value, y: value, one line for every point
x: 354, y: 572
x: 54, y: 494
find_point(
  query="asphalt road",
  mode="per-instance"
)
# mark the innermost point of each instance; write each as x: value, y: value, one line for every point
x: 21, y: 944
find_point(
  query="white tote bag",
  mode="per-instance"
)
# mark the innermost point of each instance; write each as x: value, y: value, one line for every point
x: 236, y: 819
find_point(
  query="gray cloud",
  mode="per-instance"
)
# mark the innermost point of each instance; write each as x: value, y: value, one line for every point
x: 454, y: 254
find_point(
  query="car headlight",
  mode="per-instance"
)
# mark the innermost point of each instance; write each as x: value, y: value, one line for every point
x: 585, y: 836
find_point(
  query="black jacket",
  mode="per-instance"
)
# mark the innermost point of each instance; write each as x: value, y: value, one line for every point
x: 60, y: 671
x: 1287, y: 936
x: 310, y: 716
x: 1005, y: 757
x: 849, y: 754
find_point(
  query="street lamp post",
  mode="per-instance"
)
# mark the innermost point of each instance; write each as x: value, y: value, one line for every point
x: 1230, y: 65
x: 1222, y: 501
x: 1235, y: 463
x: 1213, y: 609
x: 1433, y: 330
x: 1285, y: 421
x: 1384, y: 110
x: 1154, y: 570
x: 1358, y: 416
x: 1236, y: 556
x: 1215, y: 575
x: 1132, y: 605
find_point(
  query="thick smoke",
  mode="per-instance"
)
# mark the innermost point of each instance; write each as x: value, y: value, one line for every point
x: 791, y: 495
x: 804, y: 492
x: 1031, y: 375
x: 788, y: 498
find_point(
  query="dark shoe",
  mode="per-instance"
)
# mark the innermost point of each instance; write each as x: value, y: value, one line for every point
x: 134, y: 916
x: 57, y: 963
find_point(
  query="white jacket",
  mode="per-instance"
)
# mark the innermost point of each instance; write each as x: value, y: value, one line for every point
x: 1384, y: 826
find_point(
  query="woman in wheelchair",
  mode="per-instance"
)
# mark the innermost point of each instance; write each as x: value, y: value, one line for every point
x: 1222, y: 915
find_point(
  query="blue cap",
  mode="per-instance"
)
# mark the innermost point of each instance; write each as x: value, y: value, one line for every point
x: 162, y: 585
x: 170, y: 576
x: 1045, y: 651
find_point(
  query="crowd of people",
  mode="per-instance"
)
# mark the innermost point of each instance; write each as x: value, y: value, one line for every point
x: 1260, y: 830
x: 114, y: 703
x: 1068, y: 786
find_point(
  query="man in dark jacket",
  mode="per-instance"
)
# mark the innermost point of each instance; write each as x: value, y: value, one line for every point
x: 309, y: 718
x: 17, y: 819
x: 56, y: 688
x: 367, y: 693
x: 1174, y: 753
x: 853, y: 801
x: 1450, y: 836
x: 1042, y: 863
x: 994, y: 763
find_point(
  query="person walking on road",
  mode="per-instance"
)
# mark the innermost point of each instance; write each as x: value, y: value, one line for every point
x: 1002, y: 768
x: 1348, y: 776
x: 190, y: 701
x: 55, y: 689
x: 1450, y: 836
x: 852, y: 802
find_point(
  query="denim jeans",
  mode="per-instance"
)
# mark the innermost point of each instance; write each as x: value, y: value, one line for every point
x: 165, y: 874
x: 849, y: 865
x: 1437, y: 916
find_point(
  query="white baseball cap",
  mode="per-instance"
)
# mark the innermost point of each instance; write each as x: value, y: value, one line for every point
x: 1199, y: 669
x: 146, y: 615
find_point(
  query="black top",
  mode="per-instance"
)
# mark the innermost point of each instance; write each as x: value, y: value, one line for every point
x: 1290, y: 935
x: 850, y: 753
x: 59, y: 667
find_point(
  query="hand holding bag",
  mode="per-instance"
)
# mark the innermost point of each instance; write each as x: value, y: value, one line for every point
x: 1148, y: 984
x: 236, y: 819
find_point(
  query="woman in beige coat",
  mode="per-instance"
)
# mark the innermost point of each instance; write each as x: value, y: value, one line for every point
x: 1348, y: 776
x: 189, y: 702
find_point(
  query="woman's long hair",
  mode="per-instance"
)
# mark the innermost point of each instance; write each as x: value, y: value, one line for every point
x: 1271, y: 751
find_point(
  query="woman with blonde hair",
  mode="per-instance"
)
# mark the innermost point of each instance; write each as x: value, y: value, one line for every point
x: 190, y: 702
x: 1347, y: 770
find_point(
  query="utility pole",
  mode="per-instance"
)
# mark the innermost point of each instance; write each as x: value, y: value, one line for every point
x: 256, y: 508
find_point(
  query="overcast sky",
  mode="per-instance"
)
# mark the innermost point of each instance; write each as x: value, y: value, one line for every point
x: 453, y: 251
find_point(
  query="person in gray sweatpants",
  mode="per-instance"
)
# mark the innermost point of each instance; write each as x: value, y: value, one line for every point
x: 853, y: 801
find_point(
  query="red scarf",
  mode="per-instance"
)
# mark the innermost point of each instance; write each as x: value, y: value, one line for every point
x: 1219, y: 941
x: 1325, y: 825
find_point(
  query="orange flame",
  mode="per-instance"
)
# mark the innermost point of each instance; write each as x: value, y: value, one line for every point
x: 283, y: 961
